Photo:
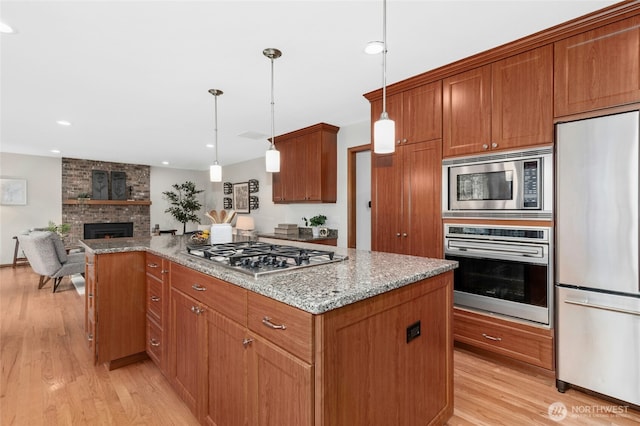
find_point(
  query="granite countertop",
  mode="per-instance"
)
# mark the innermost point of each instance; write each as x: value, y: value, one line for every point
x: 315, y: 290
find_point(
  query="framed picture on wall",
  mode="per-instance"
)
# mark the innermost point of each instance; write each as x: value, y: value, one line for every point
x: 13, y: 192
x: 241, y: 197
x: 99, y: 185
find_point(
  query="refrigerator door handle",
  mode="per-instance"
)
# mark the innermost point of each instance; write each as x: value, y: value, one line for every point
x: 586, y: 304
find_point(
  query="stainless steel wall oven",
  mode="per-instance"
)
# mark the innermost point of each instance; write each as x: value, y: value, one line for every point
x: 506, y: 270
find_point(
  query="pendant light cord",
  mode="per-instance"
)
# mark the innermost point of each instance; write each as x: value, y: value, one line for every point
x: 273, y: 127
x: 384, y: 114
x: 215, y: 120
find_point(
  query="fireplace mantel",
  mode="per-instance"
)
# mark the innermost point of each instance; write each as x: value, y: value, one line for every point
x: 108, y: 202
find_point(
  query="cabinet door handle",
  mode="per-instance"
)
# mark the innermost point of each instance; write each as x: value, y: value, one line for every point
x: 90, y: 337
x: 197, y: 310
x: 164, y: 271
x: 154, y: 343
x: 267, y: 321
x: 90, y: 295
x: 494, y: 145
x: 404, y: 141
x: 495, y: 339
x: 404, y: 235
x: 198, y: 287
x: 246, y: 342
x: 155, y: 299
x: 152, y: 265
x: 398, y: 234
x: 485, y: 146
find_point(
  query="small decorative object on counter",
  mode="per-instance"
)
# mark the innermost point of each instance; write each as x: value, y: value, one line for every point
x: 323, y: 231
x: 315, y: 222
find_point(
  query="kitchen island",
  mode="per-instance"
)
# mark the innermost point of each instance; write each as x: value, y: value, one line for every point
x: 363, y: 341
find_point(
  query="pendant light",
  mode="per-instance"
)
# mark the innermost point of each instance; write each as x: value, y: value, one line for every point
x: 384, y: 130
x: 272, y: 156
x: 215, y: 171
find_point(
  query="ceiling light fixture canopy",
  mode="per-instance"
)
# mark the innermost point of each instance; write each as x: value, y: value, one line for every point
x: 215, y: 171
x: 384, y: 130
x: 272, y: 156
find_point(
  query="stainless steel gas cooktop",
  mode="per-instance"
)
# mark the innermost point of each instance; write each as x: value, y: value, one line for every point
x: 259, y: 258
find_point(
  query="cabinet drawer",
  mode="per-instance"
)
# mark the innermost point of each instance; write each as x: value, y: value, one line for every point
x: 154, y: 266
x: 155, y: 344
x: 155, y: 299
x: 225, y: 298
x: 286, y: 326
x: 530, y: 344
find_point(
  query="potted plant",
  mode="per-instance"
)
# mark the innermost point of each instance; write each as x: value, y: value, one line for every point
x: 184, y: 203
x: 316, y: 222
x: 61, y: 229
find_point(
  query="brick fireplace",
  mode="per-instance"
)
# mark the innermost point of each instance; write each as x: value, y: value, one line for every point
x: 76, y: 179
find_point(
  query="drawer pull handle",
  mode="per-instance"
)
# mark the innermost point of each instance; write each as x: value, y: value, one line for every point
x: 90, y: 337
x: 155, y: 299
x: 495, y: 339
x: 164, y: 271
x: 197, y: 310
x: 152, y: 265
x: 90, y: 295
x: 198, y: 287
x: 267, y: 321
x: 154, y: 343
x: 246, y: 342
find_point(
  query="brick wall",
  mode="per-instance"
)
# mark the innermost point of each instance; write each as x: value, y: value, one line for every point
x: 76, y: 179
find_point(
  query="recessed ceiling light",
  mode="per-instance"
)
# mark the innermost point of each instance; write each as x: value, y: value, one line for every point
x: 374, y: 47
x: 55, y: 151
x: 165, y: 163
x: 63, y: 122
x: 210, y: 145
x: 6, y: 29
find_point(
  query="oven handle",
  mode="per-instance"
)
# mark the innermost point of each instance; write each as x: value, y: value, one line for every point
x: 497, y: 248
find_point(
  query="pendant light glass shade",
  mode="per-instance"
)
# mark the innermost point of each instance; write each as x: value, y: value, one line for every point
x: 384, y: 135
x: 272, y: 156
x: 215, y: 171
x: 272, y: 160
x: 384, y: 130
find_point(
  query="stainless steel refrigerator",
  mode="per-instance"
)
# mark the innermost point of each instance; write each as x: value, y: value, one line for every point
x: 597, y: 263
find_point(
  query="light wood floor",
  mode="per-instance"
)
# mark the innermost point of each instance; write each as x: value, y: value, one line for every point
x: 48, y: 377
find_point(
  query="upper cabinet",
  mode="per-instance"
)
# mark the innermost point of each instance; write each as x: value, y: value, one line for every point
x: 308, y: 165
x: 417, y: 113
x: 598, y: 69
x: 500, y: 106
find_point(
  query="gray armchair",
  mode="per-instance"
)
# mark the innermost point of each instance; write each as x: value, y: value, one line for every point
x: 47, y: 256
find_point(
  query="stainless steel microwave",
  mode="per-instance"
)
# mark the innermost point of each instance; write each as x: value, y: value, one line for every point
x: 517, y: 184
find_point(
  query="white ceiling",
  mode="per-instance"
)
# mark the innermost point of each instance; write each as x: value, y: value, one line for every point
x: 132, y: 76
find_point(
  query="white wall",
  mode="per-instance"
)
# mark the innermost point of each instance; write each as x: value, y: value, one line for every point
x: 44, y: 195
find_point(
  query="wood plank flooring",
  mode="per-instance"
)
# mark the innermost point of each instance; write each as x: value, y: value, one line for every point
x: 48, y: 377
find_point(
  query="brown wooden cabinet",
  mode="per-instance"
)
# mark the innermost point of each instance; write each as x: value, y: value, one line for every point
x: 500, y: 106
x: 116, y: 307
x: 417, y: 113
x: 308, y: 166
x: 533, y: 345
x: 405, y: 187
x: 406, y: 200
x: 157, y: 270
x: 598, y: 68
x: 187, y: 348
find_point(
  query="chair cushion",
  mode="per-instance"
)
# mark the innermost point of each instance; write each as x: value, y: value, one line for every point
x: 59, y: 246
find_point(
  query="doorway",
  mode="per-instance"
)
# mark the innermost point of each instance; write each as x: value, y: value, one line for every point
x: 359, y: 197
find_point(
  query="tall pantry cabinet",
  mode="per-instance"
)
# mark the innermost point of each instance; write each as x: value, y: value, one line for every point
x: 405, y: 187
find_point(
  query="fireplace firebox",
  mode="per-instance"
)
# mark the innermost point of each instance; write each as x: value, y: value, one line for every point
x: 108, y: 230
